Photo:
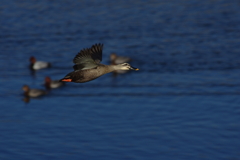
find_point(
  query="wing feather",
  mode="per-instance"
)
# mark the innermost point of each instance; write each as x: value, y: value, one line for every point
x: 88, y: 58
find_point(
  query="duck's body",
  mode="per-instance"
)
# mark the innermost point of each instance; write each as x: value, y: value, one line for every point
x: 89, y: 74
x: 36, y: 65
x: 50, y: 84
x: 88, y: 67
x: 33, y: 92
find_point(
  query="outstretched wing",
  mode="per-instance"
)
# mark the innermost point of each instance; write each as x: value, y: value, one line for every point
x: 88, y: 58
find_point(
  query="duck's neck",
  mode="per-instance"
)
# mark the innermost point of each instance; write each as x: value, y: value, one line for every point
x: 26, y: 93
x: 47, y: 85
x: 110, y: 68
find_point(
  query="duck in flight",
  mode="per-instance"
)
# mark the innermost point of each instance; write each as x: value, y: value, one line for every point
x: 88, y: 67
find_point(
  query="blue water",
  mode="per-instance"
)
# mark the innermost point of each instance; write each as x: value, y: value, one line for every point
x: 182, y: 104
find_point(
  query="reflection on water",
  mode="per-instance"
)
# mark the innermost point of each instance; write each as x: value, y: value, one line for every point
x: 26, y: 99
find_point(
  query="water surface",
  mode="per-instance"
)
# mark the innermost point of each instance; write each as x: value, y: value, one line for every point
x: 182, y: 104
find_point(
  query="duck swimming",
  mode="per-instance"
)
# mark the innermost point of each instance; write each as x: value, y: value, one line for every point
x: 115, y: 59
x: 50, y: 84
x: 88, y: 67
x: 33, y: 92
x: 36, y: 65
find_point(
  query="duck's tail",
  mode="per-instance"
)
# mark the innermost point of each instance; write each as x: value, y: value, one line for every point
x: 65, y: 80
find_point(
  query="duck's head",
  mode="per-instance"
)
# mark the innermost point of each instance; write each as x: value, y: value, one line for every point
x: 126, y: 66
x: 47, y: 82
x: 32, y: 59
x: 25, y: 88
x: 113, y: 57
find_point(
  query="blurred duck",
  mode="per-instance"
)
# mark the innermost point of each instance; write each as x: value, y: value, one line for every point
x: 88, y: 67
x: 115, y: 59
x: 33, y: 92
x: 36, y: 65
x: 52, y: 83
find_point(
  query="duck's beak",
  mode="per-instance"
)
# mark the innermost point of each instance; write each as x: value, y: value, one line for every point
x: 133, y: 68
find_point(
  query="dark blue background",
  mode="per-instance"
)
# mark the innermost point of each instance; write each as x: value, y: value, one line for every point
x: 182, y: 104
